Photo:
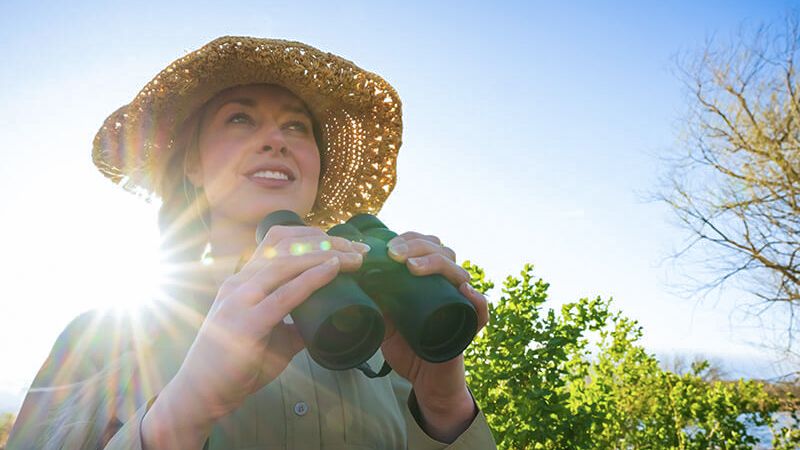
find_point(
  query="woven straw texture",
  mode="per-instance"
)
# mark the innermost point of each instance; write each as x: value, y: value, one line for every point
x: 359, y: 113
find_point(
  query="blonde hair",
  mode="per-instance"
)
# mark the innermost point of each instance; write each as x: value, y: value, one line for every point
x: 183, y: 218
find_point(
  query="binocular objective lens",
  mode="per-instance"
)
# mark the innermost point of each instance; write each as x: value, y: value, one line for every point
x: 444, y: 331
x: 344, y: 332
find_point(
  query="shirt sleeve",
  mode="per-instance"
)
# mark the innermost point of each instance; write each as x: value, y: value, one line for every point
x: 72, y: 402
x: 478, y: 436
x: 129, y: 435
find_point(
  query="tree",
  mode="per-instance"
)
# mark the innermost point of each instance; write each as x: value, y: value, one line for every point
x: 712, y: 370
x: 735, y: 186
x: 578, y: 379
x: 6, y: 422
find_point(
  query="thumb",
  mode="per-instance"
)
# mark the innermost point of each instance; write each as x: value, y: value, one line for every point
x: 390, y: 329
x: 285, y: 339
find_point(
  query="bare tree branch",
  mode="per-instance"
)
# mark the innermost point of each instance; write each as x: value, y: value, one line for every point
x: 736, y: 186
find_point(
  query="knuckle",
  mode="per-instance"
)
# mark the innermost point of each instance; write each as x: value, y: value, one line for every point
x: 424, y: 243
x: 408, y: 235
x: 249, y: 292
x: 301, y: 245
x: 418, y: 270
x: 438, y: 260
x: 419, y: 246
x: 348, y: 259
x: 341, y: 243
x: 266, y: 251
x: 342, y: 255
x: 276, y: 232
x: 434, y: 239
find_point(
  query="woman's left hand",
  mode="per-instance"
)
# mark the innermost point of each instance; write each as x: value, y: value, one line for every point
x: 439, y: 387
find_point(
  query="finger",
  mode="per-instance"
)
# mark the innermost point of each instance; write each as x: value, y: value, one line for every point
x: 401, y: 250
x: 285, y: 298
x: 304, y: 244
x: 299, y: 245
x: 409, y: 235
x: 479, y: 301
x: 285, y: 340
x: 274, y: 235
x: 280, y: 232
x: 283, y: 269
x: 389, y: 328
x: 438, y: 264
x: 260, y: 283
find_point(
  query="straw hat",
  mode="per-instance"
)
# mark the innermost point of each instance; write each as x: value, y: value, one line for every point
x: 359, y: 115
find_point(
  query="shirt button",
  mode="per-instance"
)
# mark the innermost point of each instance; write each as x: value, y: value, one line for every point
x: 300, y: 408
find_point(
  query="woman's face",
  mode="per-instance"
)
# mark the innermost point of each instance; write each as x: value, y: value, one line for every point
x: 257, y: 154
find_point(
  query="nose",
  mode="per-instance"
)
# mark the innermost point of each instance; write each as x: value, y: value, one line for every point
x: 271, y: 137
x: 267, y: 148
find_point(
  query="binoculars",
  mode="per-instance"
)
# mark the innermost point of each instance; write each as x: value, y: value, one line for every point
x: 342, y: 322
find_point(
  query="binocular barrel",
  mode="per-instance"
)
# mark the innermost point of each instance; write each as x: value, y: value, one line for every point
x: 343, y: 327
x: 340, y: 324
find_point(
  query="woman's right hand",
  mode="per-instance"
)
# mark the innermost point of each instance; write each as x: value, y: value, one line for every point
x: 243, y: 343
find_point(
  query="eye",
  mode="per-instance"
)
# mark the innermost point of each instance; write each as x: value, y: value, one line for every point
x: 296, y: 125
x: 241, y: 118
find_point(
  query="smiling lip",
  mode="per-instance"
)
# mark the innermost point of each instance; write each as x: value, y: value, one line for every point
x: 269, y: 182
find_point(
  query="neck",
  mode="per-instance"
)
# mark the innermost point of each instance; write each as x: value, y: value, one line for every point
x: 231, y: 238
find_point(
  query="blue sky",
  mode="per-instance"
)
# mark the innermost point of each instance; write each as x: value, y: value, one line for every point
x: 532, y: 134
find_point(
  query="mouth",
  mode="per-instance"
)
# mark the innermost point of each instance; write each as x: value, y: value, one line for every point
x: 271, y: 176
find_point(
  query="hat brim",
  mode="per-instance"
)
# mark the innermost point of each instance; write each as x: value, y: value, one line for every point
x: 359, y: 113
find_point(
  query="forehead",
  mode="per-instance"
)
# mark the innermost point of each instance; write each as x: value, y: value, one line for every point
x: 257, y: 95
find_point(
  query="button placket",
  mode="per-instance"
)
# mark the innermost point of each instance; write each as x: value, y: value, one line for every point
x: 299, y: 395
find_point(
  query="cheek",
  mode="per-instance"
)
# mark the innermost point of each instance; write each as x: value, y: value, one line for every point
x: 218, y: 160
x: 308, y: 159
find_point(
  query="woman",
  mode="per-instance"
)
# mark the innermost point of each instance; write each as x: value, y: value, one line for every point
x: 223, y: 136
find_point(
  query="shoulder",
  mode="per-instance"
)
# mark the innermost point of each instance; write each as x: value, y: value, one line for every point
x: 102, y: 335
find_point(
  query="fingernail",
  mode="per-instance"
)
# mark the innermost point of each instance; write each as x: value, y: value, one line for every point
x: 332, y: 262
x: 398, y: 249
x: 471, y: 289
x: 355, y: 257
x: 361, y: 247
x: 417, y: 262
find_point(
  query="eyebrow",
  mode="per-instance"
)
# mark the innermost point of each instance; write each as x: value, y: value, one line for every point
x: 246, y: 101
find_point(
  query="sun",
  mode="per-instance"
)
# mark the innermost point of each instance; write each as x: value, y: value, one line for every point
x: 126, y: 267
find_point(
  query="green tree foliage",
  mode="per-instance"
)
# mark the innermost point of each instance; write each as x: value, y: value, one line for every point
x: 6, y: 421
x: 579, y: 379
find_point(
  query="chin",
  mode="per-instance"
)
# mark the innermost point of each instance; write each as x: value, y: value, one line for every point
x: 254, y: 213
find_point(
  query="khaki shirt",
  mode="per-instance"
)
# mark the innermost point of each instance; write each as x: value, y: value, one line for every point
x: 104, y: 368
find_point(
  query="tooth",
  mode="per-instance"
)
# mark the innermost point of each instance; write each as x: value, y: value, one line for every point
x: 271, y: 174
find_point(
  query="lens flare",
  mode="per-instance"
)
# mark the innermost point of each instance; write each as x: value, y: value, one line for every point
x: 300, y: 248
x: 270, y: 252
x: 325, y: 245
x: 207, y: 258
